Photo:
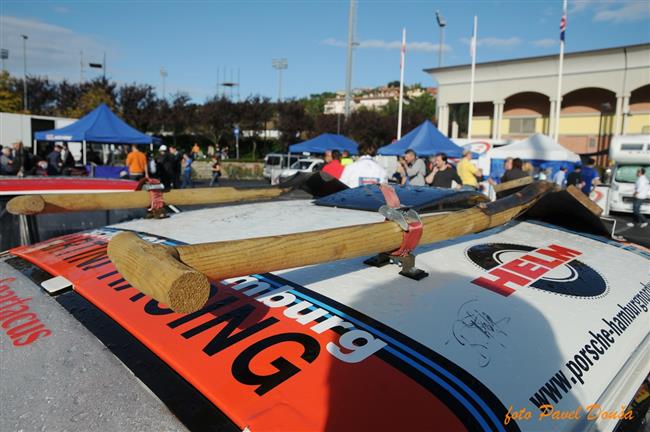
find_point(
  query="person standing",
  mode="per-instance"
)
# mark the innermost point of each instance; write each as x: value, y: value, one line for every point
x: 216, y: 171
x: 23, y: 160
x: 414, y: 169
x: 54, y: 162
x: 443, y: 174
x: 176, y: 160
x: 165, y: 166
x: 334, y: 168
x: 641, y: 192
x: 589, y: 177
x: 6, y: 162
x: 573, y: 179
x: 560, y: 177
x: 67, y: 159
x: 516, y: 172
x: 468, y: 172
x: 136, y: 162
x: 196, y: 151
x: 364, y: 171
x: 345, y: 158
x: 187, y: 171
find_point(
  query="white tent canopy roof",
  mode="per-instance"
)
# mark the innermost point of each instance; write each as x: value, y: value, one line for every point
x: 537, y: 146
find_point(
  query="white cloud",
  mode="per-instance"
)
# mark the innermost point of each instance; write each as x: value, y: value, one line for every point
x: 494, y: 42
x: 545, y: 43
x: 631, y: 11
x: 389, y: 45
x: 51, y: 50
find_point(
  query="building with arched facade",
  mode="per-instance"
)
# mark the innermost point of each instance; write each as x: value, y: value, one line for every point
x: 605, y: 92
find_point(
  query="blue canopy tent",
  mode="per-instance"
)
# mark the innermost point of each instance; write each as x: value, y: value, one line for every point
x: 424, y: 140
x: 100, y: 125
x: 325, y: 142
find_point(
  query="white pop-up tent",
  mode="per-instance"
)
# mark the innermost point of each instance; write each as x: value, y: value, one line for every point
x: 540, y: 150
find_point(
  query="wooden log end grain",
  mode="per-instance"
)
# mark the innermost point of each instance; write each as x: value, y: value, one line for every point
x: 157, y: 271
x: 26, y: 205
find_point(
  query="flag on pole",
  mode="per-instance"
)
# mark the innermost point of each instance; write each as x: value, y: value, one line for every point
x: 563, y: 21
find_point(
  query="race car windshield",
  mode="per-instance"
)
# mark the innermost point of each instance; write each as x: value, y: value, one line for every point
x: 627, y: 173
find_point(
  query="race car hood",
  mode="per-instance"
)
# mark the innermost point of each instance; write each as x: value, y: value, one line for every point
x: 512, y: 325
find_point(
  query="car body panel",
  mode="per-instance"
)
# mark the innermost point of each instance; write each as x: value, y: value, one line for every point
x: 443, y: 352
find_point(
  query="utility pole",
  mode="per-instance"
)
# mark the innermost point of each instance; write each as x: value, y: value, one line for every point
x: 280, y: 64
x: 163, y: 75
x: 441, y: 23
x: 81, y: 67
x: 348, y: 73
x: 24, y: 71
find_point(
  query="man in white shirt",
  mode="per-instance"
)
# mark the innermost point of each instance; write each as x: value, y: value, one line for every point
x: 641, y: 191
x: 364, y: 171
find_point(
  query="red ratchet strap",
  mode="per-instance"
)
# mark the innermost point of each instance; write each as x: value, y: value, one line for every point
x: 407, y: 219
x: 155, y: 194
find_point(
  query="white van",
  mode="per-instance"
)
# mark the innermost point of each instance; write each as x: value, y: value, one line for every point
x: 629, y: 152
x: 277, y: 161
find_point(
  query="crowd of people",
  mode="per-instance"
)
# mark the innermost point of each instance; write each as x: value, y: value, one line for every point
x: 15, y: 160
x: 171, y: 167
x: 439, y: 171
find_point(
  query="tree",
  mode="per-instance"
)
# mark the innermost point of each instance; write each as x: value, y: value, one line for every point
x: 292, y: 121
x: 10, y: 99
x: 41, y: 95
x: 67, y: 97
x: 180, y: 113
x: 254, y: 114
x: 138, y: 105
x: 370, y: 127
x: 216, y: 117
x: 315, y: 104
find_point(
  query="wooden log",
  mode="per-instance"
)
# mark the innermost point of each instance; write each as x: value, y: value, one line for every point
x: 59, y: 203
x: 584, y: 200
x: 513, y: 184
x: 220, y: 260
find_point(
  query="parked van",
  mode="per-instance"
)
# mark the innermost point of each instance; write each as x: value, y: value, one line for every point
x: 629, y: 152
x: 277, y: 161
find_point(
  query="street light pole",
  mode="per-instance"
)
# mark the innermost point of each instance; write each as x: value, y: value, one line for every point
x: 441, y: 23
x: 24, y: 71
x: 348, y: 71
x: 279, y: 64
x: 163, y: 75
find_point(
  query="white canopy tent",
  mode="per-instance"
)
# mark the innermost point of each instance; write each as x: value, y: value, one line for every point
x: 536, y: 147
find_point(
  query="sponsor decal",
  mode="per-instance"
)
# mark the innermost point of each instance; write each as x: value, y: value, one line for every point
x: 598, y: 343
x: 553, y: 268
x: 275, y: 355
x: 23, y: 326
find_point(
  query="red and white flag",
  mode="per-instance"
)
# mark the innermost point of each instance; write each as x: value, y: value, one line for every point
x: 563, y: 21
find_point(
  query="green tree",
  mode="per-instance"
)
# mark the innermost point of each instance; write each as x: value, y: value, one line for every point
x: 10, y: 97
x: 138, y: 105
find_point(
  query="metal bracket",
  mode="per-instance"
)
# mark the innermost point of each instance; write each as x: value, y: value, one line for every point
x: 402, y: 216
x: 407, y: 263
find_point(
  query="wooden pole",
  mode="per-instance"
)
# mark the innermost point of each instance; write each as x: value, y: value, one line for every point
x: 221, y: 260
x: 58, y: 203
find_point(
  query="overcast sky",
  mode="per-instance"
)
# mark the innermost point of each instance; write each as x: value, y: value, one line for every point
x: 193, y: 40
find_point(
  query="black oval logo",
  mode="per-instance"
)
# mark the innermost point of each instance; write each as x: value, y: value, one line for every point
x: 571, y: 278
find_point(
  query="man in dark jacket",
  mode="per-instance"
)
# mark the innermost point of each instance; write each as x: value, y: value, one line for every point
x: 165, y: 164
x: 54, y: 162
x: 443, y: 174
x: 516, y: 172
x: 176, y: 159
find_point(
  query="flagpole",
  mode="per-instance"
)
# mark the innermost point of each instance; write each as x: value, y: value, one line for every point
x: 401, y: 85
x: 558, y: 100
x: 471, y: 85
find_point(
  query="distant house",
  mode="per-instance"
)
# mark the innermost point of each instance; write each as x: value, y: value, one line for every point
x: 373, y: 99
